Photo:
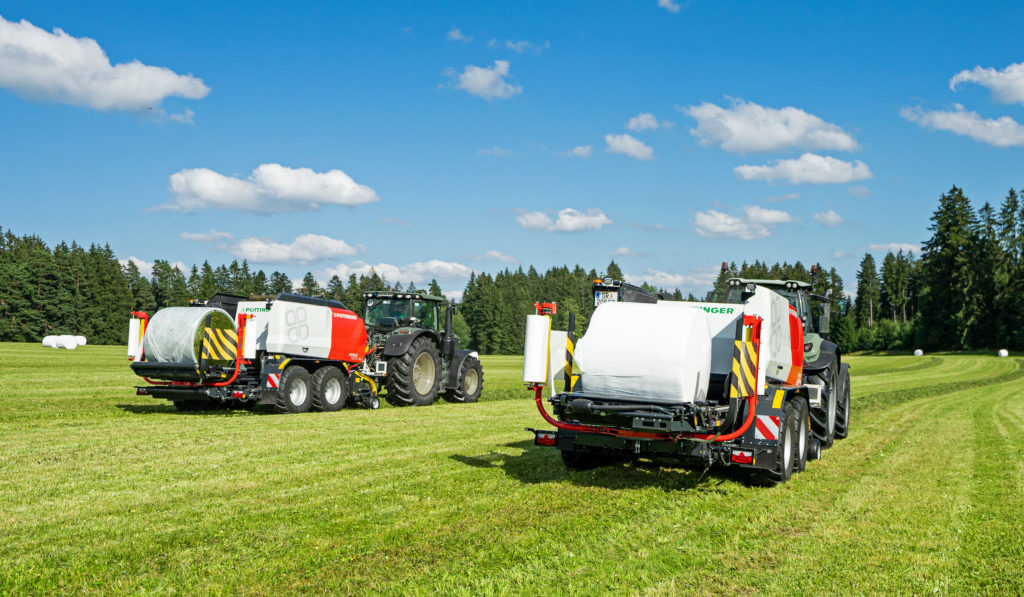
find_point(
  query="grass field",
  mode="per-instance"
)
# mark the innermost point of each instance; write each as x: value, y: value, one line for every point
x: 105, y: 492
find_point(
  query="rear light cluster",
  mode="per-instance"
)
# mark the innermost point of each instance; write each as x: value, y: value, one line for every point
x: 545, y: 438
x: 743, y: 456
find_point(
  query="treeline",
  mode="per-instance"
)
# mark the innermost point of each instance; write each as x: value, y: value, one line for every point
x: 73, y: 290
x: 965, y: 292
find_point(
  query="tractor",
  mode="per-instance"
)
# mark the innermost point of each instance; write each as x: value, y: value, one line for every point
x: 411, y: 356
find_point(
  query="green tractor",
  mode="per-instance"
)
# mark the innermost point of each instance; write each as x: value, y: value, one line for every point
x: 412, y: 356
x: 823, y: 364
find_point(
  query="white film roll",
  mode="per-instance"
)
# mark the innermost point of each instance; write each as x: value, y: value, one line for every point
x: 556, y: 352
x: 134, y: 337
x: 535, y: 351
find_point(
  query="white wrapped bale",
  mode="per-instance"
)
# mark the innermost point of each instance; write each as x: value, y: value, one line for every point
x: 918, y: 352
x: 50, y: 342
x: 80, y: 340
x: 1003, y: 352
x: 645, y: 352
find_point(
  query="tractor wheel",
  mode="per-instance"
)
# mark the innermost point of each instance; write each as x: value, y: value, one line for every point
x: 413, y: 378
x: 330, y: 389
x: 294, y: 392
x: 843, y: 407
x: 785, y: 455
x: 803, y: 435
x: 823, y: 420
x: 374, y: 403
x: 468, y: 384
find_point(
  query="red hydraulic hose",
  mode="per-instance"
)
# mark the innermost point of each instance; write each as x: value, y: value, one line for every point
x: 674, y: 437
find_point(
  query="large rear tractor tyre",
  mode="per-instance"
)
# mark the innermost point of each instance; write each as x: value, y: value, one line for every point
x: 469, y: 383
x: 823, y: 420
x: 415, y: 377
x: 785, y: 455
x: 803, y: 436
x: 843, y: 407
x: 330, y: 389
x: 294, y: 392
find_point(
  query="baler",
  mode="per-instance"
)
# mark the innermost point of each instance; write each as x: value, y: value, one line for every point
x: 294, y: 352
x: 748, y: 382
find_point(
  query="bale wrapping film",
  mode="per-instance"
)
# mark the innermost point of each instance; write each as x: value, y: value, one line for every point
x: 175, y: 334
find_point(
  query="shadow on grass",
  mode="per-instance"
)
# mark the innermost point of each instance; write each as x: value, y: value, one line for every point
x: 535, y: 464
x: 169, y: 408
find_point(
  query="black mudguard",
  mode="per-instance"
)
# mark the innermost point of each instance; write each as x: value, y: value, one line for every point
x: 829, y: 353
x: 398, y: 342
x: 453, y: 369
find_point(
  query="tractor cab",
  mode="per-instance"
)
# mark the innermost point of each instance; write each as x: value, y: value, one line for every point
x: 386, y: 311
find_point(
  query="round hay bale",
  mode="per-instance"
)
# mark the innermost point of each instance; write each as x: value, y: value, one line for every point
x: 918, y: 352
x: 1003, y: 352
x: 175, y: 334
x: 80, y: 340
x: 50, y: 341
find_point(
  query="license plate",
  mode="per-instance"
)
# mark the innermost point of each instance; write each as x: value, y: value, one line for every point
x: 605, y: 296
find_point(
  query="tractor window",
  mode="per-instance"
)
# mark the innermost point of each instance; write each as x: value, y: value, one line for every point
x: 377, y: 309
x: 426, y: 312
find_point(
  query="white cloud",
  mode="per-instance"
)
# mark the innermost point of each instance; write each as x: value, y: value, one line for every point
x: 755, y: 222
x: 270, y: 188
x: 498, y: 152
x: 307, y: 248
x: 146, y: 267
x: 808, y: 168
x: 1000, y: 132
x: 454, y: 295
x: 627, y: 252
x: 749, y: 127
x: 518, y: 46
x: 829, y: 218
x: 580, y: 151
x: 420, y: 272
x: 1006, y: 85
x: 206, y: 237
x: 669, y: 5
x: 569, y: 220
x: 454, y: 34
x: 628, y: 145
x: 700, y: 279
x: 786, y: 197
x: 647, y: 121
x: 859, y: 191
x: 838, y: 254
x: 896, y: 247
x: 57, y: 67
x: 500, y: 256
x: 484, y: 82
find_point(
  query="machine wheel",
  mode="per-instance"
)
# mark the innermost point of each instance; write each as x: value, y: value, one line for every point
x: 330, y: 389
x: 785, y: 455
x: 294, y: 392
x: 579, y: 460
x: 374, y: 403
x: 413, y: 378
x: 843, y: 407
x: 803, y: 435
x: 823, y: 420
x: 468, y: 384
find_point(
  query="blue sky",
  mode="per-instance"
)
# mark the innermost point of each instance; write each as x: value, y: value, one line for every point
x: 432, y: 140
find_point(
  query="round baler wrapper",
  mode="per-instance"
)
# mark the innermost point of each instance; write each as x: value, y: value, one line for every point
x: 175, y: 334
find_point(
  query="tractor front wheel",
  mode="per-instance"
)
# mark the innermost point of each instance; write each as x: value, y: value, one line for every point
x: 468, y: 384
x: 413, y: 378
x: 843, y: 407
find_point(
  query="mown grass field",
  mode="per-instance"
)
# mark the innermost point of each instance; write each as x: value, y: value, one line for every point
x: 103, y: 492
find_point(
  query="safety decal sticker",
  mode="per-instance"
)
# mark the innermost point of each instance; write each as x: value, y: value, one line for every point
x: 766, y: 427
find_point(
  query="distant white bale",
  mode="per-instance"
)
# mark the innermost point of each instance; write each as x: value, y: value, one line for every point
x: 50, y: 341
x: 80, y: 340
x: 1003, y: 352
x: 918, y: 352
x: 68, y: 342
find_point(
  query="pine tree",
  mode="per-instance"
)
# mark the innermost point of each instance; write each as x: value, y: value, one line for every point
x: 868, y: 292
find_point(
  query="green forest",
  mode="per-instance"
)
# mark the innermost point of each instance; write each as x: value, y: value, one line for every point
x: 963, y: 291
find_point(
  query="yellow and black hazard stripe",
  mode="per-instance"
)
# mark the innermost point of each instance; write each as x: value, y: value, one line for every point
x: 570, y: 377
x: 219, y: 344
x: 744, y: 370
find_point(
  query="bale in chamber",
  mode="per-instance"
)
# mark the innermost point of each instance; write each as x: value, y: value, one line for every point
x: 175, y: 335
